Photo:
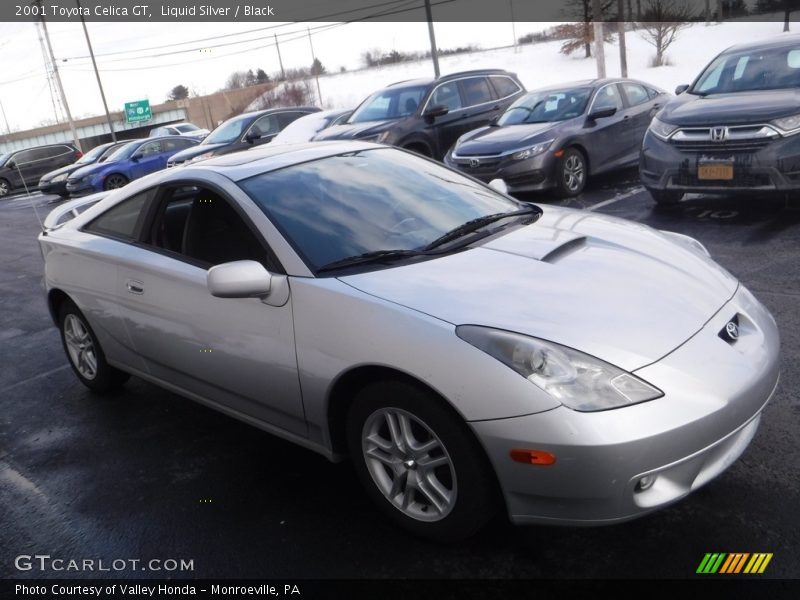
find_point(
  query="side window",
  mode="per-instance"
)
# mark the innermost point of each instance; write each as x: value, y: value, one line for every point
x: 199, y: 224
x: 266, y: 125
x: 183, y: 144
x: 608, y: 97
x: 635, y: 93
x: 446, y: 94
x: 407, y: 102
x: 150, y: 148
x: 504, y: 86
x: 476, y: 90
x: 285, y: 118
x: 26, y: 156
x: 123, y: 220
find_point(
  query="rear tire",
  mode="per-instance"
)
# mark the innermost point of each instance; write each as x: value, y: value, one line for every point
x: 571, y: 173
x: 84, y: 352
x: 665, y: 197
x: 419, y: 462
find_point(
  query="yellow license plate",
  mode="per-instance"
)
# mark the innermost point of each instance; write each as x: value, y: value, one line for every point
x: 715, y: 172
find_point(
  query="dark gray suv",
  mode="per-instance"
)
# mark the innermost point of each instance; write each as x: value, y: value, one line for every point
x: 734, y: 129
x: 429, y: 115
x: 22, y: 168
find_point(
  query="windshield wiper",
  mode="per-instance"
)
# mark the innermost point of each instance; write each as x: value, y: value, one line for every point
x: 474, y: 225
x: 376, y: 256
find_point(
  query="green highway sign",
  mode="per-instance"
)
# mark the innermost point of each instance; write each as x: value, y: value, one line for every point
x: 138, y: 111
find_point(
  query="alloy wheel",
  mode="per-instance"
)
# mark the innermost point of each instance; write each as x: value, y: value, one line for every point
x: 574, y: 173
x: 80, y: 347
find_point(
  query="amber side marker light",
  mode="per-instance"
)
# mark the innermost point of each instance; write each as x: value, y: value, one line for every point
x: 558, y: 153
x: 532, y: 457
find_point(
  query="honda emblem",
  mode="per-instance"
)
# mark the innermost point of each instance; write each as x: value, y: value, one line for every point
x: 719, y: 134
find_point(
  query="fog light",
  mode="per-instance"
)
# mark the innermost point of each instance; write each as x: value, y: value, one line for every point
x: 645, y: 483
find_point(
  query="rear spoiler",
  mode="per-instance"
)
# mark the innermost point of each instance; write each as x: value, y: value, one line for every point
x: 69, y: 210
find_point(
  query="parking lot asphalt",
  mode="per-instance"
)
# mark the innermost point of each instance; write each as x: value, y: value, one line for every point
x: 147, y: 474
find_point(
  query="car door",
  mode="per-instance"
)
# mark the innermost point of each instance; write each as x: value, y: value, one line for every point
x: 27, y: 167
x: 149, y: 158
x: 445, y: 130
x: 262, y: 131
x: 606, y: 135
x: 640, y: 110
x: 237, y: 353
x: 480, y: 100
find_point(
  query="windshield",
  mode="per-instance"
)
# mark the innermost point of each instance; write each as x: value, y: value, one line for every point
x: 369, y: 201
x: 391, y: 103
x: 227, y: 132
x: 122, y: 152
x: 767, y: 69
x: 186, y: 127
x: 547, y: 106
x: 92, y: 155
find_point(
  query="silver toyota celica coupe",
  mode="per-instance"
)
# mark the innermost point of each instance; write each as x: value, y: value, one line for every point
x: 466, y: 350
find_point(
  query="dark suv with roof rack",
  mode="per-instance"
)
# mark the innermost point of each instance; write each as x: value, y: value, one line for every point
x: 429, y: 115
x: 733, y: 130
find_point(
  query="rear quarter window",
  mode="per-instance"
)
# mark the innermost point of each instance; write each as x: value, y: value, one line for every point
x: 122, y: 221
x: 504, y: 86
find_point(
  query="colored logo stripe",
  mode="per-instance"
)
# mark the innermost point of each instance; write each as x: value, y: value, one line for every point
x: 722, y: 562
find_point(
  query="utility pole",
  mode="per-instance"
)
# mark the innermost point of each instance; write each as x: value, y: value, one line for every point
x: 599, y: 35
x: 5, y: 120
x: 58, y: 82
x: 47, y: 71
x: 313, y: 65
x: 513, y: 24
x: 434, y: 51
x: 280, y: 60
x: 97, y: 73
x: 623, y: 52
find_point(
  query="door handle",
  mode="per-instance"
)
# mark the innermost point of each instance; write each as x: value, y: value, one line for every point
x: 134, y: 287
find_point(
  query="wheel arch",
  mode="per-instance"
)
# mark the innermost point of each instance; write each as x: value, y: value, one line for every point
x: 55, y: 300
x: 578, y: 145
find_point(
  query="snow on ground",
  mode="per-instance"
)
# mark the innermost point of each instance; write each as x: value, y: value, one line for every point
x: 539, y: 65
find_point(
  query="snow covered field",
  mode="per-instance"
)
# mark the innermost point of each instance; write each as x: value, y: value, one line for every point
x: 540, y: 65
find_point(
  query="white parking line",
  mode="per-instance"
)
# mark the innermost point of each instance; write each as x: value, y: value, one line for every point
x: 632, y: 192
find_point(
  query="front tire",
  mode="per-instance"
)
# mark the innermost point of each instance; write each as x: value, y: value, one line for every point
x: 419, y: 462
x: 571, y: 172
x: 114, y: 181
x: 84, y: 352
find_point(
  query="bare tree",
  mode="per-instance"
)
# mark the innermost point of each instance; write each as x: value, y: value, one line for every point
x: 582, y: 11
x: 661, y: 22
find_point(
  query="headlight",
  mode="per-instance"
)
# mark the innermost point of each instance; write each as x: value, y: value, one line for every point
x: 577, y: 380
x: 788, y: 125
x: 378, y: 138
x: 202, y: 156
x: 532, y: 151
x: 661, y: 129
x: 43, y: 182
x: 58, y: 178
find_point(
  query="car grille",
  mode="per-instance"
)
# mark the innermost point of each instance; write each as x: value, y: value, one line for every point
x: 752, y: 145
x: 486, y: 166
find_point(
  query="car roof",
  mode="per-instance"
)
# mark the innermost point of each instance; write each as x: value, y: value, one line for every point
x: 779, y: 42
x: 448, y: 76
x: 263, y: 159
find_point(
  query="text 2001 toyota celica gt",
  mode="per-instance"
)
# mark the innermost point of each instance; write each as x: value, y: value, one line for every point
x: 467, y: 351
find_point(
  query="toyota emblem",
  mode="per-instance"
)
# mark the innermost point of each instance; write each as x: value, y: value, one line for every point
x: 732, y: 329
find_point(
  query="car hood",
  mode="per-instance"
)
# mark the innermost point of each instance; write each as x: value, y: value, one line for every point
x: 730, y: 109
x: 349, y: 131
x: 495, y: 140
x: 617, y: 290
x: 82, y: 172
x: 189, y: 153
x: 63, y: 171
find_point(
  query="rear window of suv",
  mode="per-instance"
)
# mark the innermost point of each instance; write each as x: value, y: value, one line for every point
x: 763, y: 69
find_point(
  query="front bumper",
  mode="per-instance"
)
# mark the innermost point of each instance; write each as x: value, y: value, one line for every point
x: 714, y: 394
x: 50, y: 187
x: 774, y: 166
x: 81, y: 188
x: 532, y: 174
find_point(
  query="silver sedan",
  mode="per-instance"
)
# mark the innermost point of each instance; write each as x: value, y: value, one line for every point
x: 465, y: 350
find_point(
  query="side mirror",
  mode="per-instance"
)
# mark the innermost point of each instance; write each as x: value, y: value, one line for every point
x: 602, y: 113
x: 680, y: 89
x: 437, y: 110
x: 11, y: 164
x: 251, y: 137
x: 136, y: 157
x: 239, y: 279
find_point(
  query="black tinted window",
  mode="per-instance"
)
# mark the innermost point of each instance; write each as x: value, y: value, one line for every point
x: 476, y: 90
x: 504, y: 86
x: 25, y: 156
x: 123, y: 220
x: 285, y: 118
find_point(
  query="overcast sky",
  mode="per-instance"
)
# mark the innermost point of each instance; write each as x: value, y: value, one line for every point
x: 140, y: 72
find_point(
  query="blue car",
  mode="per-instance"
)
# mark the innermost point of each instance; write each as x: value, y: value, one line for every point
x: 133, y: 160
